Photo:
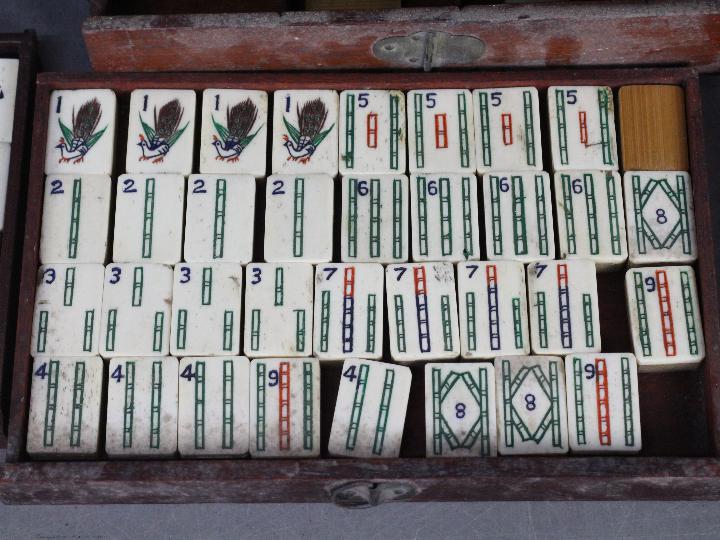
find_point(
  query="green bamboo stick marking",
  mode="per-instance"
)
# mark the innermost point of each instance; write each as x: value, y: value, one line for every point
x: 468, y: 250
x: 299, y: 217
x: 591, y: 213
x: 77, y: 405
x: 207, y: 279
x: 260, y: 406
x: 421, y: 183
x: 561, y: 125
x: 357, y: 408
x: 88, y: 330
x: 181, y: 329
x: 627, y: 402
x: 228, y: 404
x: 689, y: 312
x: 308, y: 426
x: 199, y: 405
x: 400, y: 322
x: 155, y: 404
x: 643, y: 329
x: 419, y: 135
x: 463, y: 130
x: 299, y: 329
x: 604, y: 97
x: 279, y: 285
x: 370, y: 332
x: 51, y: 403
x: 496, y: 214
x: 542, y: 319
x: 613, y: 218
x: 129, y: 406
x: 518, y: 215
x: 255, y: 330
x: 383, y: 412
x: 69, y: 286
x: 529, y: 128
x: 74, y: 218
x: 324, y: 321
x: 588, y: 318
x: 397, y: 219
x: 569, y: 213
x: 446, y: 240
x: 485, y: 130
x: 579, y: 401
x: 110, y: 331
x: 352, y: 211
x: 349, y: 130
x: 219, y: 222
x: 137, y: 290
x: 158, y: 331
x: 445, y: 317
x: 228, y: 329
x: 374, y: 217
x: 394, y: 131
x: 148, y: 218
x: 470, y: 320
x: 517, y: 323
x: 42, y: 331
x: 541, y: 214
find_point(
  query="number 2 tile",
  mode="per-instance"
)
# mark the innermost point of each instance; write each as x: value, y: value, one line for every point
x: 532, y: 412
x: 582, y: 128
x: 507, y: 129
x: 441, y: 131
x: 370, y: 410
x: 372, y: 132
x: 460, y: 410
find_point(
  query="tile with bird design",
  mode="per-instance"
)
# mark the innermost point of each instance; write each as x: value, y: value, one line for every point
x: 81, y: 132
x: 161, y: 131
x: 234, y: 132
x: 305, y: 138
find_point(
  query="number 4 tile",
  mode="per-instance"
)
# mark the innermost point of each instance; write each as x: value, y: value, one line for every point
x: 665, y: 320
x: 507, y: 129
x: 660, y: 217
x: 214, y: 406
x: 563, y: 302
x: 372, y: 132
x: 460, y: 410
x: 81, y: 132
x: 422, y: 311
x: 64, y: 420
x: 142, y: 407
x: 582, y: 128
x: 603, y: 403
x: 532, y: 413
x: 161, y: 131
x: 370, y: 410
x: 234, y: 132
x: 441, y: 132
x: 285, y: 407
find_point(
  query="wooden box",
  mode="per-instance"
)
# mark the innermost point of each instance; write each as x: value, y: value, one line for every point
x: 22, y: 47
x: 680, y: 411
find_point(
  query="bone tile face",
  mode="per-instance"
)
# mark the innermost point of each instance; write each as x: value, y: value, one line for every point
x: 219, y: 218
x: 64, y: 419
x: 372, y: 132
x: 444, y: 217
x: 349, y: 314
x: 518, y: 216
x: 206, y: 306
x: 136, y: 310
x: 278, y: 310
x: 460, y: 410
x: 76, y: 213
x: 4, y: 178
x: 67, y: 309
x: 507, y: 129
x: 149, y: 218
x: 161, y: 130
x: 665, y: 319
x: 422, y: 311
x: 214, y: 406
x: 299, y: 218
x: 441, y: 131
x: 81, y: 132
x: 602, y: 401
x: 591, y: 222
x: 493, y: 309
x: 8, y: 88
x: 582, y: 127
x: 285, y: 407
x: 142, y: 407
x: 375, y: 219
x: 531, y: 408
x: 234, y: 132
x: 660, y: 217
x: 370, y: 410
x: 305, y: 132
x: 563, y: 304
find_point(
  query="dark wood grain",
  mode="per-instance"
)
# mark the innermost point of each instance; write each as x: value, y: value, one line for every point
x: 22, y: 47
x: 680, y: 411
x: 628, y: 32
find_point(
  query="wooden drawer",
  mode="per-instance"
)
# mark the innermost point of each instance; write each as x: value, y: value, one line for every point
x: 679, y: 410
x: 22, y: 47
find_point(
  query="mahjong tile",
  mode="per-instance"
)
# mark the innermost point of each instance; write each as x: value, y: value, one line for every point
x: 161, y: 130
x: 81, y: 132
x: 8, y: 88
x: 305, y: 132
x: 234, y: 132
